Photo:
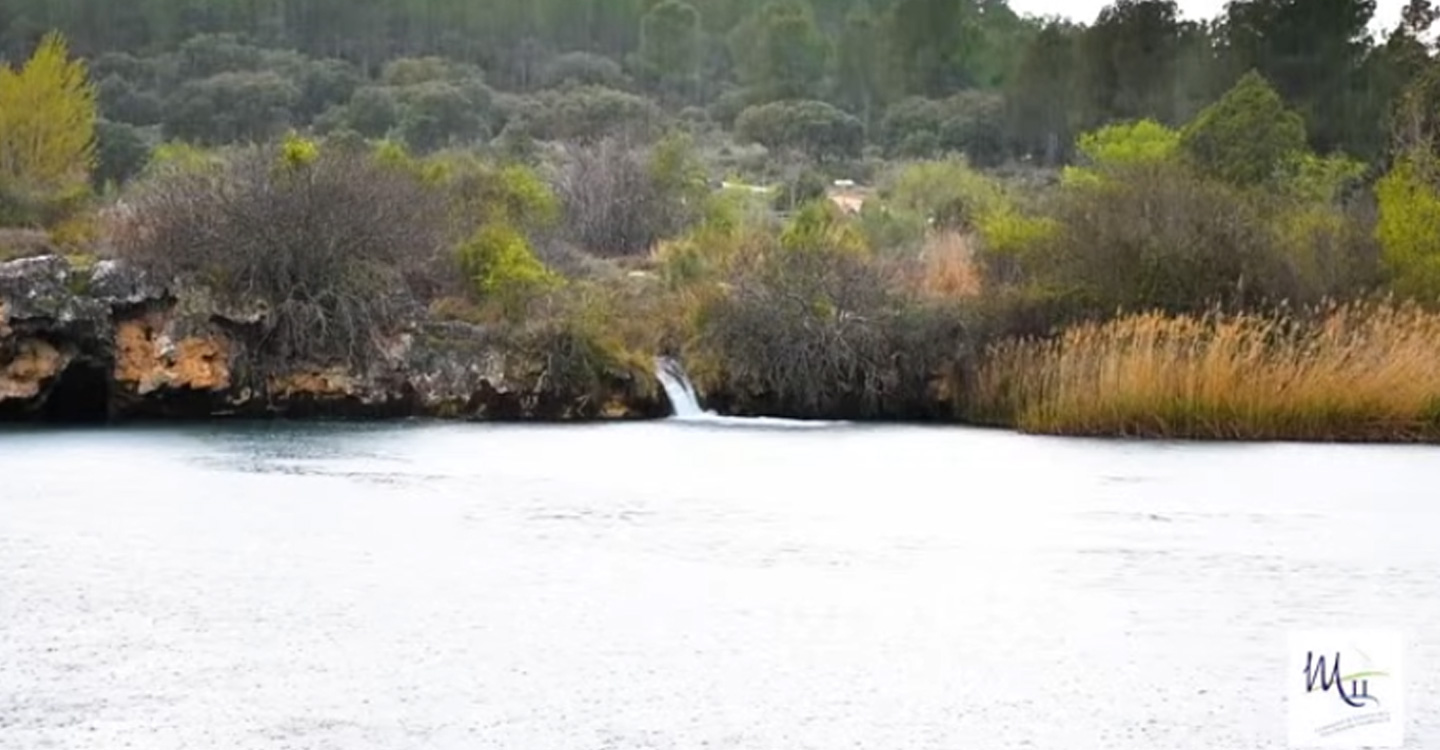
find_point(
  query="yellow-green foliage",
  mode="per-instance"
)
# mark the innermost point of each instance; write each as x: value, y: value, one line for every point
x: 1321, y: 179
x: 1009, y: 232
x: 47, y: 124
x: 819, y: 227
x: 676, y: 170
x: 1360, y: 371
x: 297, y: 152
x: 524, y: 197
x: 502, y: 267
x: 494, y: 208
x: 948, y: 191
x: 394, y: 154
x: 1409, y: 228
x: 1130, y: 144
x: 1327, y: 249
x: 483, y: 193
x: 180, y: 156
x: 1139, y: 142
x: 733, y: 231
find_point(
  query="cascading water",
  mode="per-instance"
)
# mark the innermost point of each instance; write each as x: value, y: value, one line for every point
x: 683, y: 401
x: 685, y: 404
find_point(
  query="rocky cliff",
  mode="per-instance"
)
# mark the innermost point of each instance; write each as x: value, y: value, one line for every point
x: 103, y: 343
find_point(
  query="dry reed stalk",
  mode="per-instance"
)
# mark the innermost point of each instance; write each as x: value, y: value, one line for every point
x: 1357, y: 371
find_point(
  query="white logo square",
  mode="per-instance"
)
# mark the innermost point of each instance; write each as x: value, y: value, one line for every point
x: 1345, y: 689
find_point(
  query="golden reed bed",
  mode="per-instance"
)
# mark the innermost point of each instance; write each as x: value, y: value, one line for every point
x: 1354, y: 372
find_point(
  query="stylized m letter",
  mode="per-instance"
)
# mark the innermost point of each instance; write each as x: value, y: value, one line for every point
x: 1315, y: 670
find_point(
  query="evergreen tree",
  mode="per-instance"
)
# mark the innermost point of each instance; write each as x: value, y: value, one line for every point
x: 47, y: 123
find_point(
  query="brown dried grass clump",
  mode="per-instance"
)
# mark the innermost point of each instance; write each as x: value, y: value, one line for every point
x: 947, y: 267
x: 1359, y: 371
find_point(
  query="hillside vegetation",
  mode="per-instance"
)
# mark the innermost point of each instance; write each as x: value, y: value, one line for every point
x: 918, y: 209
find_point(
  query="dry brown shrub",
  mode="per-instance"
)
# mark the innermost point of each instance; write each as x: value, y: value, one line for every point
x: 337, y: 250
x: 948, y: 268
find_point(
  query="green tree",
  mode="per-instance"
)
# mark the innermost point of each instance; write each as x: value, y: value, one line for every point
x: 1041, y: 97
x: 47, y: 125
x: 670, y: 47
x: 782, y: 53
x: 231, y: 107
x: 813, y: 127
x: 860, y: 64
x: 1313, y: 53
x: 122, y: 153
x: 1128, y: 61
x: 1409, y: 226
x: 1248, y: 137
x: 930, y: 42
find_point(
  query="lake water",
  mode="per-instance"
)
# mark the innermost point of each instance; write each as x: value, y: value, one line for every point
x: 688, y: 586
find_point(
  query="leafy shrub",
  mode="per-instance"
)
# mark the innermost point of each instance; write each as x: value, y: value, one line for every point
x: 889, y: 230
x: 970, y: 123
x: 586, y: 114
x: 736, y: 228
x: 948, y: 192
x: 585, y: 69
x: 1331, y: 247
x: 1151, y: 238
x: 820, y: 228
x: 810, y: 185
x: 1129, y: 144
x: 373, y: 111
x: 231, y: 107
x: 121, y: 154
x: 436, y: 114
x: 815, y: 128
x: 502, y: 268
x: 1248, y: 137
x: 1409, y: 227
x: 122, y: 101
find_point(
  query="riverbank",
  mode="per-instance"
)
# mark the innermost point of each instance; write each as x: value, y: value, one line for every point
x: 102, y: 343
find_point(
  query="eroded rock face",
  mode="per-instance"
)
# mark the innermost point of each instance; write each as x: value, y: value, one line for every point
x: 181, y: 354
x: 27, y: 367
x: 148, y: 358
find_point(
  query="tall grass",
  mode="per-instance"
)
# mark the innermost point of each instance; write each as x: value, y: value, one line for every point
x: 1359, y: 371
x: 948, y: 267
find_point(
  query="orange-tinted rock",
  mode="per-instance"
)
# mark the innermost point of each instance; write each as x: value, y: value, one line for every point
x: 316, y: 383
x: 34, y: 363
x: 148, y: 360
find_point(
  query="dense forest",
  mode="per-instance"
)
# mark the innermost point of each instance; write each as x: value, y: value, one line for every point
x: 911, y: 77
x: 862, y: 208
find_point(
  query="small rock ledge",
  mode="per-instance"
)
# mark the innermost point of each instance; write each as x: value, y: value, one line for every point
x: 106, y: 344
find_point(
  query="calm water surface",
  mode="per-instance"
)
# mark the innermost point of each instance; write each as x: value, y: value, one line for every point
x: 682, y: 586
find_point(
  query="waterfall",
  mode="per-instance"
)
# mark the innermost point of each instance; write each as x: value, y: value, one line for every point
x: 683, y: 401
x: 685, y: 404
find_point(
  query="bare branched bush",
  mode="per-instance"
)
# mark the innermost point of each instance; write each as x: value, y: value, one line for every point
x: 810, y: 334
x: 335, y: 246
x: 620, y: 199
